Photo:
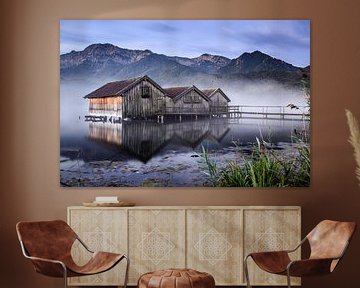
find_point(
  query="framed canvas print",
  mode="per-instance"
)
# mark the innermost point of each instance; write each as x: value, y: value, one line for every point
x: 184, y: 103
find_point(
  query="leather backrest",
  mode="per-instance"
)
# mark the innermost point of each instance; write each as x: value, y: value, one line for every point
x: 46, y: 239
x: 329, y: 238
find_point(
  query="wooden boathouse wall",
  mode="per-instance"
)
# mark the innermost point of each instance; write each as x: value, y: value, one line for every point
x: 111, y: 105
x: 218, y: 100
x: 138, y: 105
x: 143, y: 98
x: 190, y: 103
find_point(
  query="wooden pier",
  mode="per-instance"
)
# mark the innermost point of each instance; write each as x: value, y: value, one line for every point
x: 273, y: 112
x: 102, y: 118
x: 239, y: 111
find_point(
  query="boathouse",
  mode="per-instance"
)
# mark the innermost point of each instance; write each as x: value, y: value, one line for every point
x: 186, y: 101
x: 137, y: 98
x: 219, y: 101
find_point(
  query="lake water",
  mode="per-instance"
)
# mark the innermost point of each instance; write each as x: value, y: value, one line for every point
x: 147, y: 153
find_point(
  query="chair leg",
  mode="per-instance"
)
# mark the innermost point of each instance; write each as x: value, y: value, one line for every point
x: 65, y: 276
x: 246, y: 270
x: 126, y: 271
x: 288, y: 278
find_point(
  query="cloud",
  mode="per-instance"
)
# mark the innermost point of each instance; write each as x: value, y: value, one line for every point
x: 162, y: 27
x: 277, y: 34
x: 288, y: 40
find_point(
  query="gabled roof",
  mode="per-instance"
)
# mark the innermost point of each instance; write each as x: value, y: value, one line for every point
x: 176, y: 93
x: 211, y: 92
x: 172, y: 92
x: 117, y: 88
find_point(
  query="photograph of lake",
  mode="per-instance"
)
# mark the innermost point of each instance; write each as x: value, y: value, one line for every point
x: 185, y: 103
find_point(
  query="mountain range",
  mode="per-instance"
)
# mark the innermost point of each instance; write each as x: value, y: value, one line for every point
x: 108, y: 62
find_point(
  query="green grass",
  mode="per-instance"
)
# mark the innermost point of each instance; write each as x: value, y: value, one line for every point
x: 262, y: 169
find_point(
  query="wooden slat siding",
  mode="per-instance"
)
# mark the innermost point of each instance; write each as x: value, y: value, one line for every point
x: 182, y: 106
x: 144, y: 138
x: 108, y: 104
x: 169, y: 103
x: 218, y: 102
x: 134, y: 106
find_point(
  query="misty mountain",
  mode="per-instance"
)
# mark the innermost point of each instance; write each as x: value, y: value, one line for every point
x: 100, y: 54
x: 161, y: 68
x: 98, y: 60
x: 307, y: 69
x: 256, y: 62
x: 109, y: 62
x: 204, y: 63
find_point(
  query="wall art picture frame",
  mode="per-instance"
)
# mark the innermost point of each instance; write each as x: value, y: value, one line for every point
x: 184, y: 103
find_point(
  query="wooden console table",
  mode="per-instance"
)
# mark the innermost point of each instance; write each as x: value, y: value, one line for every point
x: 211, y: 239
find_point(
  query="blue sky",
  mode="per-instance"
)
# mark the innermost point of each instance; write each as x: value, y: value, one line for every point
x: 288, y: 40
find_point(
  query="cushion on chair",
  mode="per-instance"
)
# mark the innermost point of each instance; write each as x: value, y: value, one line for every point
x: 176, y: 278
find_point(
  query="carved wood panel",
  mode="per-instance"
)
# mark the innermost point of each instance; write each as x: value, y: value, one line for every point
x: 209, y: 239
x: 156, y: 240
x: 214, y: 241
x: 270, y: 230
x: 101, y: 230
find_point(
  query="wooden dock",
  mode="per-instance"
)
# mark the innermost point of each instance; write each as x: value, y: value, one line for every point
x: 102, y: 118
x: 236, y: 111
x: 277, y: 112
x: 240, y: 111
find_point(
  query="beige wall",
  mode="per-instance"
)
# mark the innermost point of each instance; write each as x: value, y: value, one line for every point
x: 29, y: 111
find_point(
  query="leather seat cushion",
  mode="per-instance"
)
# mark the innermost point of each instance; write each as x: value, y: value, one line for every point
x: 176, y: 278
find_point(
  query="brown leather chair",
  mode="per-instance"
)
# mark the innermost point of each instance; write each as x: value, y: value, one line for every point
x: 328, y: 242
x: 48, y: 245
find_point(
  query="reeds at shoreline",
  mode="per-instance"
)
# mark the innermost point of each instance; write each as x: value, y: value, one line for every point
x: 354, y: 140
x: 263, y: 168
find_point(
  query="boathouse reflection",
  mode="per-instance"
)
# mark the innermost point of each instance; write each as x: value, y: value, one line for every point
x: 144, y: 139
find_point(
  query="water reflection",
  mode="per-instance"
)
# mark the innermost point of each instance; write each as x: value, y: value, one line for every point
x: 144, y: 139
x: 107, y: 132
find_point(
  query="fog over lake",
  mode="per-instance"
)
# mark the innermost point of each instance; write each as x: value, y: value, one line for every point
x: 147, y: 153
x: 73, y: 105
x: 168, y: 107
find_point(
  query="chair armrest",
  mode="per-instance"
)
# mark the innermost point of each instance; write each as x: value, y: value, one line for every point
x: 48, y: 267
x: 309, y: 267
x: 281, y: 251
x: 298, y: 246
x: 45, y: 260
x: 268, y: 253
x: 84, y: 245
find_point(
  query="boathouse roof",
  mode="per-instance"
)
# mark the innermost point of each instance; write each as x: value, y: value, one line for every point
x: 176, y: 93
x: 172, y: 92
x: 118, y: 88
x: 211, y: 92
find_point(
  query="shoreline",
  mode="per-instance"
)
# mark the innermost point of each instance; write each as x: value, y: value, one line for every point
x: 172, y: 169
